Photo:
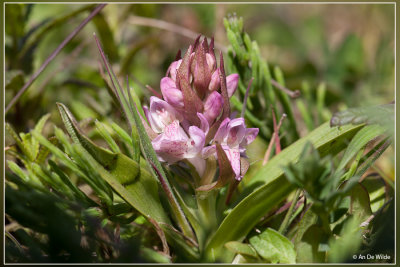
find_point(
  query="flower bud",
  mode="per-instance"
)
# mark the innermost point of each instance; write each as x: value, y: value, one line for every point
x: 212, y: 64
x: 214, y: 83
x: 213, y: 106
x: 170, y: 93
x: 232, y: 83
x: 173, y: 68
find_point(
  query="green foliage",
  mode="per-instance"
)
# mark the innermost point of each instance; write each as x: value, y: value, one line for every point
x: 274, y: 247
x: 99, y: 194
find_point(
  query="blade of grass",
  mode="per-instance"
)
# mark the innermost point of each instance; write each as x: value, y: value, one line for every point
x: 53, y: 55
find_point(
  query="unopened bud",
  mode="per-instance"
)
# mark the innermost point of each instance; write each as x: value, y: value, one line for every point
x: 170, y: 93
x: 213, y: 106
x: 215, y: 81
x: 232, y: 83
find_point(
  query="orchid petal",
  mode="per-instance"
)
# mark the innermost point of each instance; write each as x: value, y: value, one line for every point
x: 234, y: 158
x: 173, y: 68
x: 196, y: 142
x: 208, y: 151
x: 171, y: 145
x: 204, y: 125
x: 161, y: 114
x: 236, y: 132
x: 222, y: 131
x: 251, y: 134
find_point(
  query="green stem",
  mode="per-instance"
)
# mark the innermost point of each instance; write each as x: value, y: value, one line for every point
x: 206, y: 202
x: 286, y: 220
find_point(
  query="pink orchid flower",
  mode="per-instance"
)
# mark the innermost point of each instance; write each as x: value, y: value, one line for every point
x: 173, y: 143
x: 233, y: 137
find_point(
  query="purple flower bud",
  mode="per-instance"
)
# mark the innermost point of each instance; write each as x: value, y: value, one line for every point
x: 212, y: 64
x: 173, y: 68
x: 170, y: 93
x: 215, y: 81
x: 232, y: 83
x: 213, y: 106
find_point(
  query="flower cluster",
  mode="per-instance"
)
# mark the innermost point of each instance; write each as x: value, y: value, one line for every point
x: 194, y: 114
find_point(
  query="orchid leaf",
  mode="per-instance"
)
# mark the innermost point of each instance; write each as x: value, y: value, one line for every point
x: 147, y: 204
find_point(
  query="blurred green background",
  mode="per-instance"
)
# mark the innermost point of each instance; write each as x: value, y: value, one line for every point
x: 347, y: 46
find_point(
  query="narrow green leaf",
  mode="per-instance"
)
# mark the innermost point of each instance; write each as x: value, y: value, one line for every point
x: 122, y: 134
x: 274, y: 247
x: 372, y: 156
x: 136, y: 144
x: 376, y: 190
x: 17, y: 170
x: 107, y: 136
x: 359, y: 141
x: 39, y: 35
x: 68, y: 183
x: 39, y: 128
x: 102, y: 155
x: 17, y: 140
x: 64, y: 159
x: 309, y: 219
